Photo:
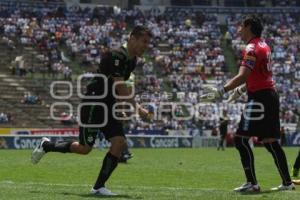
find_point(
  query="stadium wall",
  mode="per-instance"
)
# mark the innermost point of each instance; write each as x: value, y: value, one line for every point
x: 95, y: 3
x: 155, y: 2
x: 30, y: 138
x: 226, y: 10
x: 31, y: 141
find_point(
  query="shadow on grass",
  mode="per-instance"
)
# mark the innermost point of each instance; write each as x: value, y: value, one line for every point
x: 110, y: 197
x: 93, y: 196
x: 99, y: 196
x: 259, y: 193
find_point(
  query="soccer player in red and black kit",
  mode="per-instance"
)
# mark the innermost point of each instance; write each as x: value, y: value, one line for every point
x: 116, y: 66
x: 255, y: 71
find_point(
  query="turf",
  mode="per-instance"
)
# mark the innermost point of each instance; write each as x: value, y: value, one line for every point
x: 159, y: 174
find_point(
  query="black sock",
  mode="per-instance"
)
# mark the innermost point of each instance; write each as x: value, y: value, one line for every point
x: 110, y: 162
x: 297, y: 162
x: 220, y: 143
x: 247, y: 158
x: 280, y: 160
x: 62, y: 147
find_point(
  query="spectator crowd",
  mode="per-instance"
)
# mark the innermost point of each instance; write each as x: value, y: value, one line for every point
x: 185, y: 54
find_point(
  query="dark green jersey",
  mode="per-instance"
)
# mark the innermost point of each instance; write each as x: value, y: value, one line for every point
x: 114, y: 63
x: 117, y: 64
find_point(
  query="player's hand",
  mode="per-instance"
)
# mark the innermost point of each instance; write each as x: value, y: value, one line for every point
x: 237, y: 92
x: 213, y: 93
x: 143, y: 113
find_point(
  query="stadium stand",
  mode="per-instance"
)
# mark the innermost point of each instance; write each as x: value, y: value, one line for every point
x: 42, y: 42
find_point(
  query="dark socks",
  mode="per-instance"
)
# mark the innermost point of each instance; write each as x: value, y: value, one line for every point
x: 63, y: 147
x: 247, y: 158
x: 110, y: 162
x: 221, y: 144
x: 280, y: 160
x: 297, y: 162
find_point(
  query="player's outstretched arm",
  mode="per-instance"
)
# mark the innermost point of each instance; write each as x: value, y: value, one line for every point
x: 214, y: 93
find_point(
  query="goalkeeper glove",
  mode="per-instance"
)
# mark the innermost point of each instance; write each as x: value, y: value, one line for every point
x: 213, y: 93
x: 237, y: 92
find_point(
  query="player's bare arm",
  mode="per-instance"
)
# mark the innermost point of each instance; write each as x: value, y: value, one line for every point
x: 238, y: 80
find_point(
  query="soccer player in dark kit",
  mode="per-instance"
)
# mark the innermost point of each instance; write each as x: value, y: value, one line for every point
x: 116, y: 67
x: 223, y: 130
x: 261, y: 115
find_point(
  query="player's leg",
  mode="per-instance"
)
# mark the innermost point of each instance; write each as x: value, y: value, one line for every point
x: 46, y: 146
x: 84, y: 146
x: 223, y: 141
x: 220, y: 143
x: 114, y: 133
x: 241, y: 141
x: 296, y: 166
x: 126, y: 155
x: 110, y: 162
x: 247, y: 160
x: 273, y: 146
x: 61, y: 146
x: 87, y: 137
x: 269, y: 130
x: 78, y: 148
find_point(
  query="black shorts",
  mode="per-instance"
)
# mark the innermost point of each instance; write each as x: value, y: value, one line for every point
x: 260, y: 117
x: 95, y: 115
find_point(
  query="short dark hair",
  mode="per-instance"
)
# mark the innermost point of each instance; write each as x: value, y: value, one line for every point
x: 139, y: 31
x: 255, y: 23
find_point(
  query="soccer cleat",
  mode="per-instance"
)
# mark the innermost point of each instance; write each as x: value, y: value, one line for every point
x: 284, y: 187
x: 103, y: 192
x: 247, y: 187
x: 124, y: 157
x: 39, y: 152
x: 296, y: 182
x: 128, y: 155
x: 295, y: 172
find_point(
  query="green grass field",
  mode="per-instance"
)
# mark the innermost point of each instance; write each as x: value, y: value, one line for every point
x: 159, y: 174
